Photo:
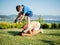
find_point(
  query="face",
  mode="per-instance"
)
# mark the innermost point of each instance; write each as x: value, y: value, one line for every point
x: 20, y: 9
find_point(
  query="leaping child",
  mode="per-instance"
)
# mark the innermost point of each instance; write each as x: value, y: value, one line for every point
x: 24, y: 11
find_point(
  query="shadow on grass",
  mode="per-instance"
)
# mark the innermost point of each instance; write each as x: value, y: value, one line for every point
x: 14, y: 33
x: 49, y: 42
x: 53, y: 34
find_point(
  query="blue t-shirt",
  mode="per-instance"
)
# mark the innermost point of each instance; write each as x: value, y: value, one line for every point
x: 27, y: 11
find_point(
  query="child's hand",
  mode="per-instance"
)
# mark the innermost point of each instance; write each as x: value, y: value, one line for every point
x: 15, y: 21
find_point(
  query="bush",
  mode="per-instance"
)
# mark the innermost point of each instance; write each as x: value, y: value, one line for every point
x: 48, y: 25
x: 13, y: 25
x: 58, y: 25
x: 6, y: 25
x: 17, y: 25
x: 40, y: 19
x: 54, y: 26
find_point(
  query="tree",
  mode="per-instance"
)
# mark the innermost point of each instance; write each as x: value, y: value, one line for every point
x: 40, y: 19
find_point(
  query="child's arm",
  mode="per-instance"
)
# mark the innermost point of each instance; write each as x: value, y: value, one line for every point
x: 22, y: 17
x: 17, y: 18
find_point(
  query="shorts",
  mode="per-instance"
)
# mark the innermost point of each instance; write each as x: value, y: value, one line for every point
x: 29, y: 14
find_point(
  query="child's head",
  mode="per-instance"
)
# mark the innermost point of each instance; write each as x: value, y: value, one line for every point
x: 19, y: 8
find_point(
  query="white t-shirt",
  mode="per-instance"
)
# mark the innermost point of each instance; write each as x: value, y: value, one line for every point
x: 33, y: 25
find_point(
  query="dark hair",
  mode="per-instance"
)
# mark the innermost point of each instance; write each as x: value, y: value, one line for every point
x: 17, y: 7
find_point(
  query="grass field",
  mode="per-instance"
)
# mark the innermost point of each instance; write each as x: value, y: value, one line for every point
x: 11, y: 37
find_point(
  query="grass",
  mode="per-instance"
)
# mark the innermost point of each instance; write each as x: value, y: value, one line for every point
x: 11, y: 37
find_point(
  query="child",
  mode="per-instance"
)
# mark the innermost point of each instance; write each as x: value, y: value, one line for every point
x: 34, y: 29
x: 24, y: 11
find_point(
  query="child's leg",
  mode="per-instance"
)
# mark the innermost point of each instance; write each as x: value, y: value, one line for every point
x: 28, y: 24
x: 28, y: 29
x: 35, y: 32
x: 25, y: 27
x: 28, y: 33
x: 28, y: 21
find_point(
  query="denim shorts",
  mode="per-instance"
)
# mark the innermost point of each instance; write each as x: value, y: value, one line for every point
x: 30, y: 14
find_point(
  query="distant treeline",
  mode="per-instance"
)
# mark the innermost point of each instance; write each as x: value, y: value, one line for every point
x: 4, y: 16
x: 46, y: 18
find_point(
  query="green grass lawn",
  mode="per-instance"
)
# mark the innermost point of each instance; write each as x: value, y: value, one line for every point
x: 11, y: 37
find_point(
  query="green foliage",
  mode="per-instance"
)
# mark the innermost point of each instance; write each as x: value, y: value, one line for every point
x: 13, y: 25
x: 50, y: 26
x: 58, y: 25
x: 47, y: 25
x: 6, y: 25
x: 40, y: 19
x: 54, y: 25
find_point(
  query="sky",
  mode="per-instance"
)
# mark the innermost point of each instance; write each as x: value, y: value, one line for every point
x: 39, y: 7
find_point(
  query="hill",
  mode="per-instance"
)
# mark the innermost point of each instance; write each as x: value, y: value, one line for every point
x: 46, y: 18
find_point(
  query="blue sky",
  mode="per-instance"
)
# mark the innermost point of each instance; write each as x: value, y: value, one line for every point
x: 43, y: 7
